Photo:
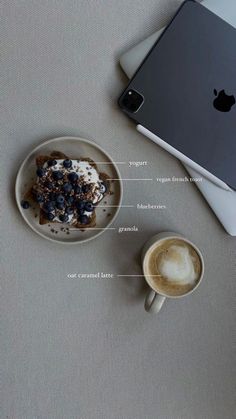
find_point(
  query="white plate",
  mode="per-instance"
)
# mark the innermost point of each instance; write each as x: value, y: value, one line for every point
x: 74, y: 148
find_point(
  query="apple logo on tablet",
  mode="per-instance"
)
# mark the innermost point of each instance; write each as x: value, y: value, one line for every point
x: 223, y: 102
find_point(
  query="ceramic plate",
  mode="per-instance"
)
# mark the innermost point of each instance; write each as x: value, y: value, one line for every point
x: 74, y: 148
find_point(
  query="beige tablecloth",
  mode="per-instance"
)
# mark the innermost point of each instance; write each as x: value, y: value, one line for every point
x: 86, y: 349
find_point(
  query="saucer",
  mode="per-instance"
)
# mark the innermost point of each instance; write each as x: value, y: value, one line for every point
x: 106, y: 211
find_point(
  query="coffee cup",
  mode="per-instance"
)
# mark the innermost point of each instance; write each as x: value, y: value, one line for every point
x: 173, y: 267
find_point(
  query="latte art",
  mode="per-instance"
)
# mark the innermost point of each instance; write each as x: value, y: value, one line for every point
x: 173, y: 267
x: 177, y: 265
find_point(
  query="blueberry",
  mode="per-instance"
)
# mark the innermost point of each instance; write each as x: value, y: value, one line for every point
x: 80, y: 205
x: 60, y: 199
x: 86, y: 188
x: 40, y: 172
x: 103, y: 187
x: 60, y: 206
x: 80, y: 212
x: 73, y: 176
x: 50, y: 216
x: 39, y: 197
x: 88, y: 206
x: 52, y: 196
x: 48, y: 206
x: 77, y: 189
x: 69, y: 210
x: 67, y: 187
x: 67, y: 163
x: 57, y: 175
x: 83, y: 219
x: 52, y: 163
x: 49, y: 185
x: 25, y: 204
x: 64, y: 218
x: 69, y: 200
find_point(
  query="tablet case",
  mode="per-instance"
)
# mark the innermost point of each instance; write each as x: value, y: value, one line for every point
x: 222, y: 202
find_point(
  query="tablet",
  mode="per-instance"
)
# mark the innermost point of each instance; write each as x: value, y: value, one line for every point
x: 184, y: 91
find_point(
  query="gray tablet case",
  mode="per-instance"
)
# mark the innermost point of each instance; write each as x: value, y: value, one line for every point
x: 189, y: 87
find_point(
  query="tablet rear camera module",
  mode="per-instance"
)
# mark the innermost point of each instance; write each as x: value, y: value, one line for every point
x: 132, y: 101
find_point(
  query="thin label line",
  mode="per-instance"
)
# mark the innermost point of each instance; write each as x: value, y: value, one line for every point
x: 138, y: 275
x: 116, y: 162
x: 92, y: 228
x: 130, y: 179
x: 115, y: 206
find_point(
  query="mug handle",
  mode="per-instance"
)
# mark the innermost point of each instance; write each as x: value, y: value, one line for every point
x: 153, y: 302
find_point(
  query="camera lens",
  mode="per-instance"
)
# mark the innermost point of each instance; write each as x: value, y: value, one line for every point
x: 132, y: 101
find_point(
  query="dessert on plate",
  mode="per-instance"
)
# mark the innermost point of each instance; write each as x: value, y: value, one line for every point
x: 67, y: 190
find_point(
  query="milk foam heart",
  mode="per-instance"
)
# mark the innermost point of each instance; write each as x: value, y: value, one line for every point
x: 177, y: 265
x: 173, y: 267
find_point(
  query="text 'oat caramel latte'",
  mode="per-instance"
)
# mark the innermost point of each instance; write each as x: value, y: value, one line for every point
x: 173, y: 267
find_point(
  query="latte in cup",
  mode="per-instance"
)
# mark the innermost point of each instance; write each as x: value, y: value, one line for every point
x: 173, y: 267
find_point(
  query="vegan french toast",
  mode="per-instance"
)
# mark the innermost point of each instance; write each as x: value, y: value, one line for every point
x: 67, y: 190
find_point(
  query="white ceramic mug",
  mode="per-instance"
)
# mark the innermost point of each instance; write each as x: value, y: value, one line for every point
x: 155, y: 298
